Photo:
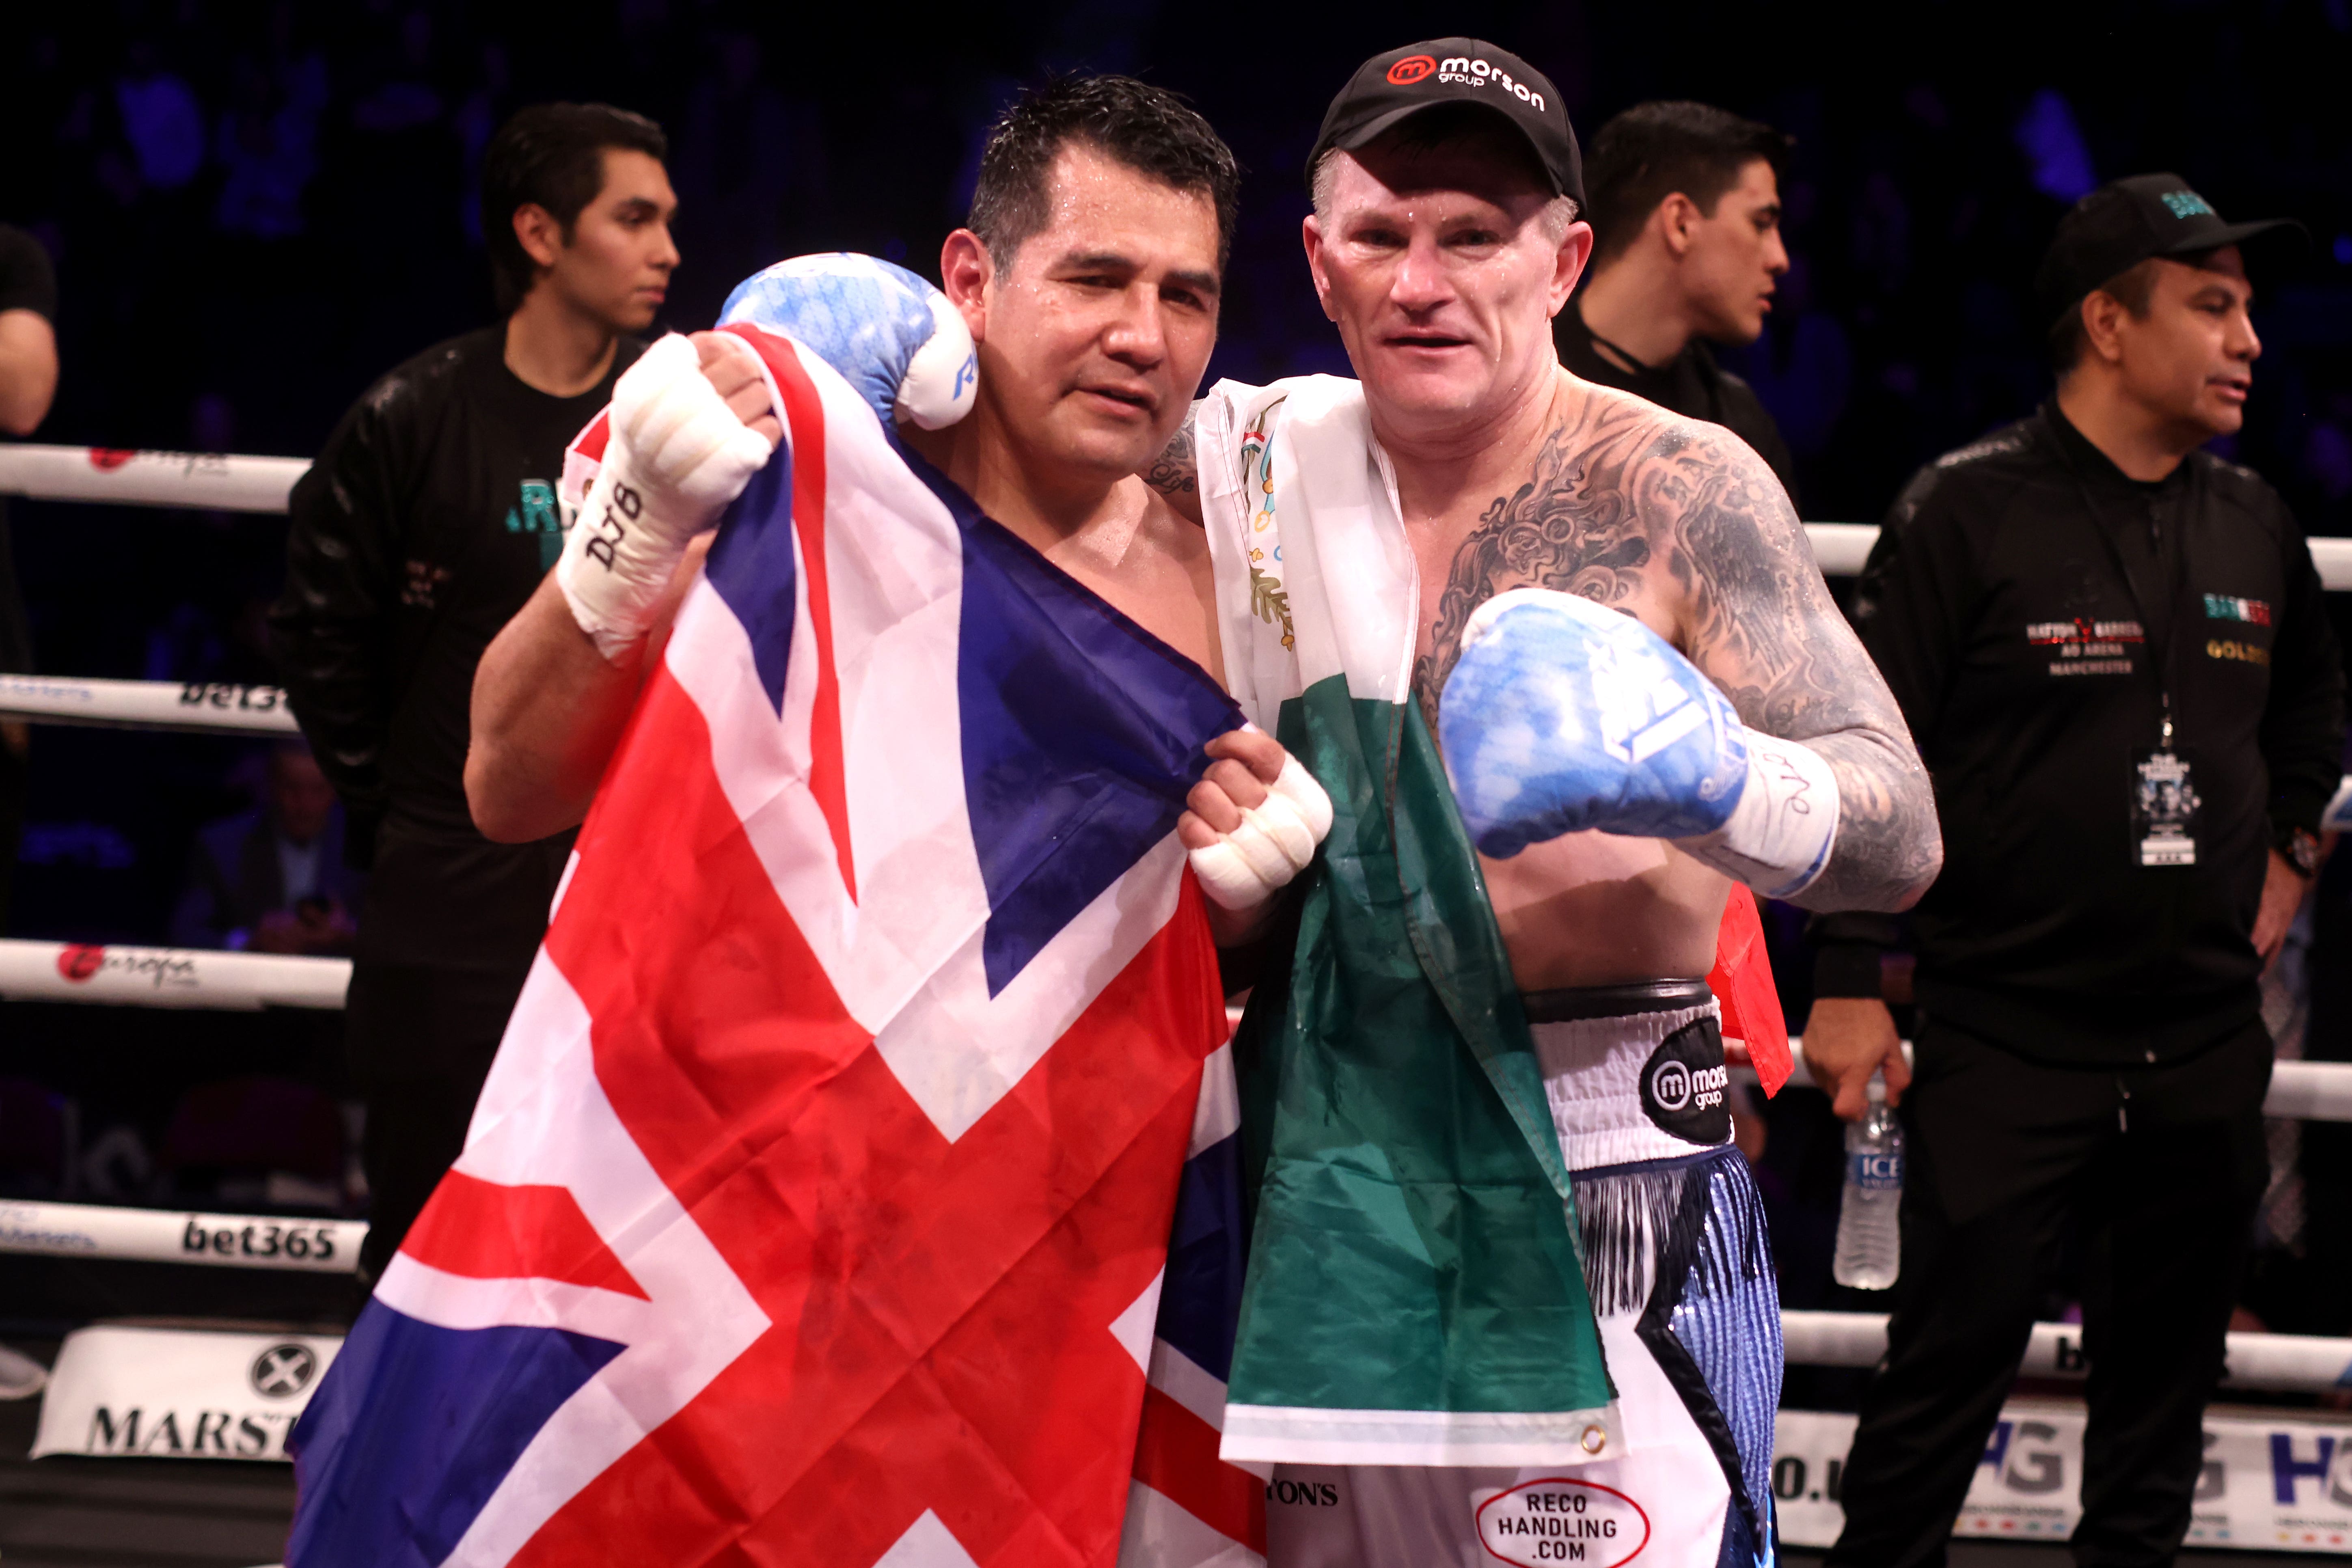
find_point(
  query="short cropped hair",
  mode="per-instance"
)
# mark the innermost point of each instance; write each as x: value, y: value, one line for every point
x: 551, y: 155
x: 2134, y: 288
x: 1449, y: 125
x: 1655, y: 150
x: 1147, y: 129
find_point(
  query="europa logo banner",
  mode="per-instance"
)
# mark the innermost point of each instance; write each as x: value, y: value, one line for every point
x: 1553, y: 1521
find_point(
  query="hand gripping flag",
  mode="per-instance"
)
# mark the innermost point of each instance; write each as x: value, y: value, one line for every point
x: 817, y: 1207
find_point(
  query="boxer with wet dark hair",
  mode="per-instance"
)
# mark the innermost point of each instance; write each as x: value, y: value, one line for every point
x: 1090, y: 279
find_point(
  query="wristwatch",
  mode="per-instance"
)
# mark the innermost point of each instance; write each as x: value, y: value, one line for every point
x: 2301, y: 847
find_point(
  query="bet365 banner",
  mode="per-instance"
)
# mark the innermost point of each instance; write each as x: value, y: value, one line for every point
x: 2269, y: 1484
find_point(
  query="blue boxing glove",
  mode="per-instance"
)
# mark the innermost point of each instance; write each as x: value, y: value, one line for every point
x: 1563, y: 716
x: 890, y: 334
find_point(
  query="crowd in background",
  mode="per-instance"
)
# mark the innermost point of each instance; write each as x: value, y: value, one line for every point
x: 254, y: 208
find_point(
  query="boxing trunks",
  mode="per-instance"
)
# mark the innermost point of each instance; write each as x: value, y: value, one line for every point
x: 1674, y: 1254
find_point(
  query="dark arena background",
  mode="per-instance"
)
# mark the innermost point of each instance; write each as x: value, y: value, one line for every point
x: 253, y: 210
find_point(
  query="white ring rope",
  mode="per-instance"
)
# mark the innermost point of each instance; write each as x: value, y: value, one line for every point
x: 210, y: 707
x: 170, y: 977
x: 207, y: 482
x: 163, y: 1236
x: 2301, y: 1091
x: 2255, y: 1361
x: 228, y: 481
x: 1842, y: 548
x: 332, y: 1246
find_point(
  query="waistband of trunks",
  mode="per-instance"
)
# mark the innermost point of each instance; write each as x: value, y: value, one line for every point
x: 1578, y: 1001
x: 1636, y: 1086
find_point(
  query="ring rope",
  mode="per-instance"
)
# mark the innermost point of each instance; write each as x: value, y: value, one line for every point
x: 163, y: 1236
x: 208, y: 707
x: 170, y: 977
x: 229, y: 481
x: 2300, y: 1090
x: 207, y: 482
x: 2292, y: 1361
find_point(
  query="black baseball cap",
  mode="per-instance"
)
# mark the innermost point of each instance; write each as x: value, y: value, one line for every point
x: 1392, y: 87
x: 2125, y: 222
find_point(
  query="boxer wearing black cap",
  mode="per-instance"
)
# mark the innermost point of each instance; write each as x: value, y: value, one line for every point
x: 1445, y: 238
x: 2113, y: 649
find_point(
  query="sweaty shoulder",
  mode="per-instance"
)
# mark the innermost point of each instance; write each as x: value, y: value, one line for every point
x: 1622, y: 414
x: 1168, y: 532
x: 1614, y: 420
x: 1167, y: 586
x: 1669, y: 466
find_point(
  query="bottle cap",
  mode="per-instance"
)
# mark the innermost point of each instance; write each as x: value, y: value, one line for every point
x: 1876, y: 1089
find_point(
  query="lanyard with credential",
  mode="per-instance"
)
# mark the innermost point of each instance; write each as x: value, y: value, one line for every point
x: 2164, y: 801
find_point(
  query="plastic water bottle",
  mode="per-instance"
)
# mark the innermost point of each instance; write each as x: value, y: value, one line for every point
x: 1870, y: 1234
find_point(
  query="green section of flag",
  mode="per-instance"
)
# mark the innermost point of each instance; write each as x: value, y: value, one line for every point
x: 1413, y: 1243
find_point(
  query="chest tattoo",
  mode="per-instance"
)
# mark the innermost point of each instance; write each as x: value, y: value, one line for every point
x: 1575, y: 525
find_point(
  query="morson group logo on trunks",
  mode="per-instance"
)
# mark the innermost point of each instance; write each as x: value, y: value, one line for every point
x: 1543, y: 1522
x: 1685, y: 1084
x: 1468, y: 72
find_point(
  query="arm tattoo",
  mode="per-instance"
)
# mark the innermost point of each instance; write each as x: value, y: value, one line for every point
x: 1761, y: 624
x: 1622, y: 501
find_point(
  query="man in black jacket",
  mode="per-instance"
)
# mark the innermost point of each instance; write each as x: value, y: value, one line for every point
x: 426, y: 523
x: 1686, y: 213
x: 2112, y: 648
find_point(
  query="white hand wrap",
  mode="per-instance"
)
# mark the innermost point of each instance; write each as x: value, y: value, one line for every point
x: 676, y: 458
x: 1275, y: 842
x: 1779, y: 837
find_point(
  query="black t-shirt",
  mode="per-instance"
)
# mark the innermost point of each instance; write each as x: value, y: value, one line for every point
x: 27, y: 282
x: 1691, y: 385
x: 425, y: 524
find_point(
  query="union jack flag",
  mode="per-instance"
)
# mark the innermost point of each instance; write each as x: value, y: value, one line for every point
x: 817, y: 1208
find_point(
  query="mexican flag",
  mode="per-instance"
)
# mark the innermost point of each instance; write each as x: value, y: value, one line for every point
x: 1413, y: 1294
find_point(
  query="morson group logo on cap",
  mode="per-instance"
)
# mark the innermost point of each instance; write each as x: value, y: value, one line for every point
x: 1479, y: 73
x: 1411, y: 69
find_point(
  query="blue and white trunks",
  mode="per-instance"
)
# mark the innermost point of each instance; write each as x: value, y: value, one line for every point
x: 1680, y: 1272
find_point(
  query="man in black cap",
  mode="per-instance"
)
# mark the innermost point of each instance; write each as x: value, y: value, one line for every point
x: 1533, y: 1024
x: 2112, y: 647
x: 1686, y: 252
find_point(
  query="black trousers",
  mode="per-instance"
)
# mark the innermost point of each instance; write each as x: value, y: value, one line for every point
x: 2156, y: 1172
x: 421, y: 1039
